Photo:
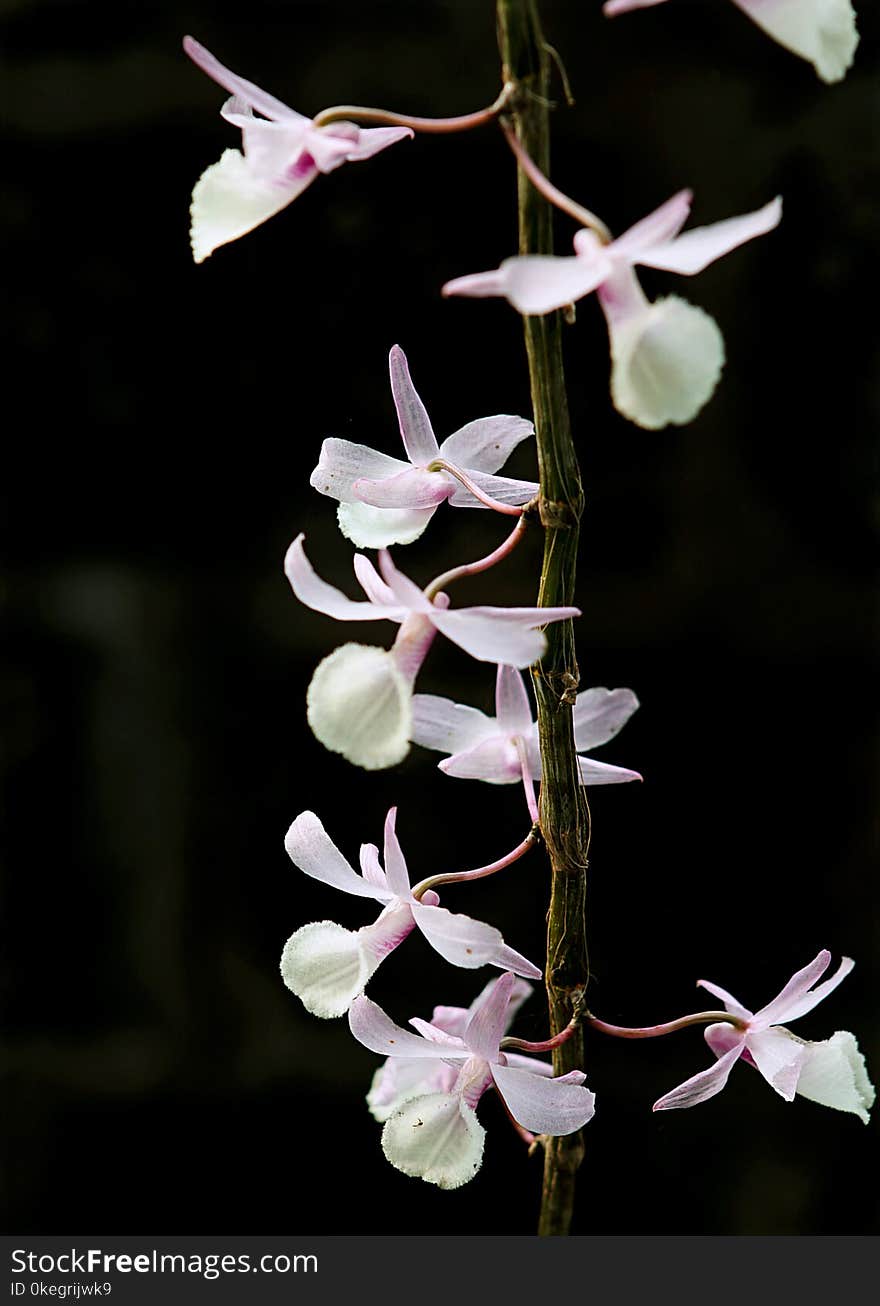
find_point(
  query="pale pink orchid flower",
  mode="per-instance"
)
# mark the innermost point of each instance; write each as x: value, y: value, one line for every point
x: 385, y: 500
x: 831, y: 1072
x: 402, y: 1078
x: 436, y: 1136
x: 283, y: 154
x: 327, y: 966
x: 504, y: 749
x: 359, y: 702
x: 821, y: 31
x: 666, y: 356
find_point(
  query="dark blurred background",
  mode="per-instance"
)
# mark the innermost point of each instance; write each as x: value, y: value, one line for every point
x: 161, y: 423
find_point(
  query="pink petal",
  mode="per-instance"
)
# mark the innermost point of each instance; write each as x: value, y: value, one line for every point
x: 536, y: 283
x: 612, y: 8
x: 702, y: 1086
x: 275, y: 151
x: 310, y: 847
x: 489, y: 1019
x: 661, y: 225
x: 413, y: 488
x: 230, y: 81
x: 371, y: 867
x: 779, y: 1057
x: 371, y: 582
x: 603, y: 773
x: 513, y: 707
x: 466, y: 942
x: 371, y: 140
x: 371, y: 1027
x: 546, y: 1106
x: 486, y: 444
x: 342, y: 463
x: 321, y: 597
x: 395, y: 865
x: 730, y: 1003
x: 436, y: 1034
x: 696, y: 249
x: 507, y: 635
x: 446, y: 726
x: 508, y: 959
x: 402, y: 587
x: 415, y: 425
x: 796, y: 999
x: 495, y: 760
x: 599, y: 714
x: 502, y: 488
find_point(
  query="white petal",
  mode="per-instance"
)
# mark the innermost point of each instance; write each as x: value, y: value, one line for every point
x: 536, y: 283
x: 603, y: 773
x: 513, y: 707
x: 778, y: 1055
x: 496, y: 761
x: 502, y: 488
x: 326, y: 967
x: 436, y: 1138
x: 359, y: 705
x: 247, y: 91
x: 696, y: 249
x: 446, y: 726
x: 489, y: 1018
x: 703, y: 1085
x: 321, y: 597
x: 820, y: 31
x: 231, y: 198
x: 412, y: 488
x: 613, y: 7
x: 665, y: 363
x: 834, y: 1074
x: 459, y: 939
x: 342, y: 463
x: 486, y: 444
x: 799, y: 996
x: 546, y: 1106
x: 664, y: 223
x: 599, y: 714
x: 375, y: 1030
x: 395, y: 863
x: 730, y: 1003
x: 494, y: 634
x: 416, y: 431
x: 310, y: 847
x: 401, y: 1079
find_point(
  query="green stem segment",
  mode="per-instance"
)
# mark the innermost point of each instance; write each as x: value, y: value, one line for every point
x: 565, y: 816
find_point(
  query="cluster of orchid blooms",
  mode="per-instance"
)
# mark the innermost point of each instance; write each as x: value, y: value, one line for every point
x: 666, y: 359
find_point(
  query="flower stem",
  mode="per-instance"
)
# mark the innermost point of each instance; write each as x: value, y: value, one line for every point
x: 350, y: 112
x: 441, y: 465
x: 552, y: 193
x: 670, y: 1027
x: 481, y: 564
x: 565, y: 816
x: 458, y: 877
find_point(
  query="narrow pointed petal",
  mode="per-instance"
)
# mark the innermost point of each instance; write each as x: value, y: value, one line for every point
x: 502, y: 488
x: 489, y: 1019
x: 446, y: 726
x: 506, y: 958
x: 797, y: 990
x: 341, y: 463
x: 377, y: 528
x: 413, y: 488
x: 513, y: 708
x: 833, y: 1073
x: 661, y: 225
x: 696, y: 249
x: 545, y: 1106
x: 779, y: 1056
x: 821, y: 31
x: 603, y: 773
x: 407, y: 594
x: 321, y: 597
x: 599, y: 714
x: 359, y: 704
x: 371, y: 869
x: 395, y: 864
x: 371, y: 582
x: 612, y: 8
x: 507, y: 635
x: 230, y: 81
x: 230, y: 199
x: 309, y: 846
x: 730, y: 1003
x: 797, y: 1007
x: 702, y: 1086
x: 327, y: 967
x: 486, y: 444
x: 378, y: 1032
x: 434, y: 1034
x: 415, y: 425
x: 371, y: 140
x: 536, y: 283
x: 496, y: 761
x: 436, y: 1138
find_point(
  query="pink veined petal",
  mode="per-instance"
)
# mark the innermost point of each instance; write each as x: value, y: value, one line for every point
x: 722, y: 1037
x: 661, y: 225
x: 395, y: 864
x: 230, y: 81
x: 502, y: 488
x: 321, y: 597
x: 696, y: 249
x: 798, y: 997
x: 402, y: 587
x: 703, y: 1085
x: 546, y: 1106
x: 730, y: 1003
x: 415, y: 425
x: 507, y: 958
x: 459, y: 939
x: 436, y: 1034
x: 779, y: 1056
x: 376, y: 1031
x: 603, y: 773
x: 371, y: 582
x: 496, y: 761
x: 371, y: 140
x: 513, y: 708
x: 310, y: 847
x: 446, y: 726
x: 536, y: 1067
x: 488, y: 1020
x: 612, y: 8
x: 536, y: 283
x: 413, y: 488
x: 486, y: 444
x: 371, y: 867
x: 507, y: 635
x: 341, y: 463
x: 599, y: 714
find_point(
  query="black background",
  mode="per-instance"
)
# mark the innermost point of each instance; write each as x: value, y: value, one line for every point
x: 161, y: 423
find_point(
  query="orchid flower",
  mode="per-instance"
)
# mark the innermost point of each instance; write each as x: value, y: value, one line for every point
x: 384, y: 500
x: 821, y: 31
x: 666, y: 356
x: 401, y: 1078
x: 283, y: 154
x: 504, y: 749
x: 436, y: 1136
x: 831, y: 1072
x: 359, y: 702
x: 327, y: 966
